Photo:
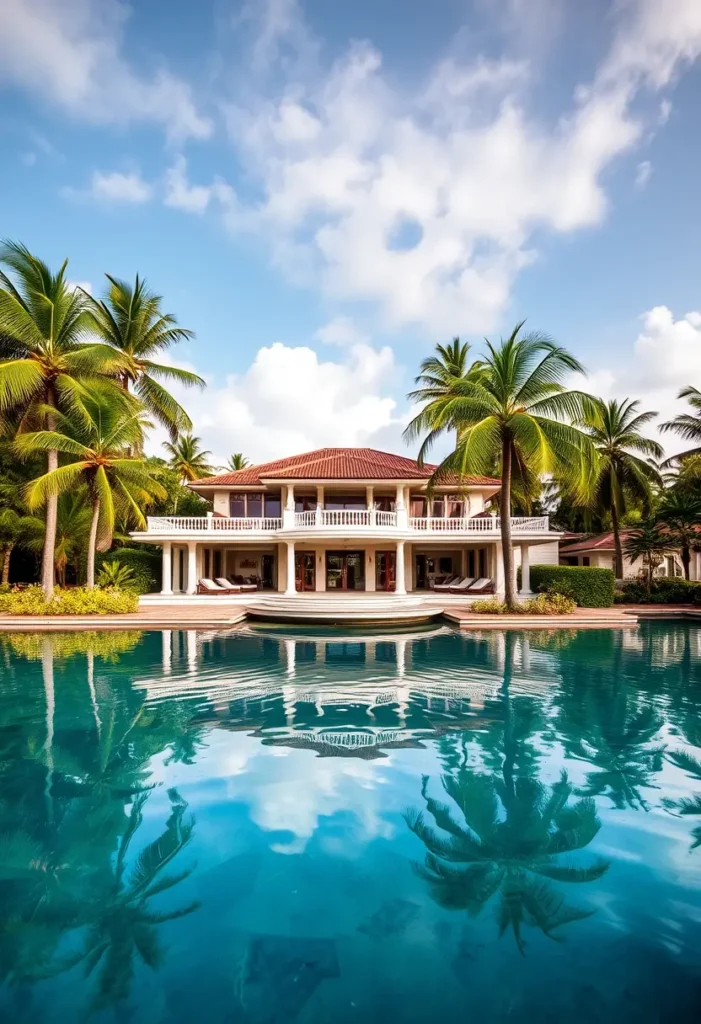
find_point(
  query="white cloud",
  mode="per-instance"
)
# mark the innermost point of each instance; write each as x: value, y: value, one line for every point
x: 344, y: 161
x: 665, y: 356
x: 341, y: 330
x: 69, y: 52
x: 181, y: 195
x: 643, y: 173
x: 289, y: 400
x: 118, y: 187
x: 86, y: 286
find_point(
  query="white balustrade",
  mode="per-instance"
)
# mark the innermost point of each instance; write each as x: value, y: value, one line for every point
x: 345, y: 518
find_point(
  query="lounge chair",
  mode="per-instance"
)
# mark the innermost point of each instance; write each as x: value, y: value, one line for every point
x: 449, y: 582
x: 462, y: 586
x: 482, y: 586
x: 239, y: 581
x: 207, y: 586
x: 233, y: 588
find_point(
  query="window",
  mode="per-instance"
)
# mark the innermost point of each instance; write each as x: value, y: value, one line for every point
x: 273, y: 506
x: 445, y: 565
x: 254, y: 503
x: 417, y: 506
x: 585, y: 560
x: 437, y: 507
x: 237, y: 506
x: 305, y: 504
x: 456, y: 507
x: 342, y: 501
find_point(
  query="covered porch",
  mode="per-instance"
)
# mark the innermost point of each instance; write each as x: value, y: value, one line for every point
x: 340, y: 566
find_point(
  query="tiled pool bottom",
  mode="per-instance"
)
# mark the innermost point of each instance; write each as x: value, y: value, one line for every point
x: 314, y: 828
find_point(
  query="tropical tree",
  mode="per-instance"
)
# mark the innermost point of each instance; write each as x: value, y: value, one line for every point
x: 46, y: 366
x: 625, y: 472
x: 680, y: 511
x: 188, y: 459
x: 508, y: 411
x: 130, y: 319
x: 686, y: 425
x: 646, y: 542
x: 101, y: 449
x: 236, y: 462
x: 437, y: 377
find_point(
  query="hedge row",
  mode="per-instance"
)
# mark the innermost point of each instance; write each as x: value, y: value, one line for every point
x: 663, y: 591
x: 145, y: 563
x: 589, y: 587
x: 77, y: 601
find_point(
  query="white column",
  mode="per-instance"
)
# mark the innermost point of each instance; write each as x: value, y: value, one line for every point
x: 191, y: 567
x: 402, y: 519
x: 370, y: 569
x: 288, y: 514
x: 319, y: 503
x: 500, y: 584
x: 290, y: 567
x: 400, y: 587
x: 525, y: 569
x: 279, y: 566
x: 445, y: 506
x: 290, y: 656
x: 167, y: 575
x: 177, y: 575
x: 320, y: 582
x: 370, y: 503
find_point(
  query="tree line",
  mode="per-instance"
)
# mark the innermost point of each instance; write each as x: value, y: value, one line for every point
x: 82, y: 381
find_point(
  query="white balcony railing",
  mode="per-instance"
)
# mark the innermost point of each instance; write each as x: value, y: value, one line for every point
x: 478, y: 524
x: 339, y: 518
x: 195, y: 524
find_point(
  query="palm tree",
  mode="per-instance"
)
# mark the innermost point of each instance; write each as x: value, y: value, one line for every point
x: 45, y: 367
x: 437, y: 376
x: 508, y: 410
x: 646, y: 542
x: 687, y: 425
x: 101, y: 448
x: 187, y: 458
x: 236, y: 462
x: 130, y: 319
x: 615, y: 428
x: 680, y: 511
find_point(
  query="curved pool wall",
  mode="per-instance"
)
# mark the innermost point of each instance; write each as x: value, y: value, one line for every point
x: 313, y: 825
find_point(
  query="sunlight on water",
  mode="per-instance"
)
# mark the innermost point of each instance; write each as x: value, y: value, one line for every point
x: 272, y: 826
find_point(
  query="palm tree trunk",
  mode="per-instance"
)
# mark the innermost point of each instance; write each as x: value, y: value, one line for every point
x: 6, y: 555
x: 618, y: 555
x: 92, y: 543
x: 47, y: 563
x: 507, y: 548
x: 686, y: 561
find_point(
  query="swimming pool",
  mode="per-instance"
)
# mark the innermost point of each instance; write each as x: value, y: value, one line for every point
x: 269, y: 826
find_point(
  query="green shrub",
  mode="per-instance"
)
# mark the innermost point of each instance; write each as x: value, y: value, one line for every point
x: 78, y: 601
x: 145, y: 563
x: 543, y: 604
x: 587, y: 586
x: 115, y: 575
x: 664, y: 590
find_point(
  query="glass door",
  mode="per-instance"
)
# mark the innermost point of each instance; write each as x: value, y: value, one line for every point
x: 385, y: 570
x: 345, y: 570
x: 305, y: 570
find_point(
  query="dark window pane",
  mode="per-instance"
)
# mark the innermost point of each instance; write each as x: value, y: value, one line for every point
x: 438, y: 507
x: 305, y: 504
x: 273, y: 507
x: 237, y: 506
x: 445, y: 564
x: 255, y: 505
x: 417, y: 507
x: 341, y: 501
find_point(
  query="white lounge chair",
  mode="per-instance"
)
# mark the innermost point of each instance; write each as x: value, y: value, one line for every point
x: 449, y: 582
x: 462, y: 586
x: 482, y: 586
x: 445, y: 581
x: 207, y: 586
x: 235, y: 588
x: 239, y: 581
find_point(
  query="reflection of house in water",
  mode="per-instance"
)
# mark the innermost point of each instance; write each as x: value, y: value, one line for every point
x: 345, y: 695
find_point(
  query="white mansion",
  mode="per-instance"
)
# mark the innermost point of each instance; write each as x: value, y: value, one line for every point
x: 342, y: 519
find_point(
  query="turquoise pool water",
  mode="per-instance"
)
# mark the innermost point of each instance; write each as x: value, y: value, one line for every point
x: 269, y: 827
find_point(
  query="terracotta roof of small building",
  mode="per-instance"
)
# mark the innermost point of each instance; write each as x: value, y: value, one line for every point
x: 601, y: 542
x: 336, y: 464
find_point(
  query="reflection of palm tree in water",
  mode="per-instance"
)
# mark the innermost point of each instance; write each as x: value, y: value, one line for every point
x: 121, y: 924
x: 509, y: 838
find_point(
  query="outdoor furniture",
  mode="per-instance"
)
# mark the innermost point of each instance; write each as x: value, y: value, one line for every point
x: 207, y: 586
x: 482, y: 586
x: 449, y: 582
x: 442, y: 581
x: 232, y: 588
x: 462, y: 586
x: 240, y: 582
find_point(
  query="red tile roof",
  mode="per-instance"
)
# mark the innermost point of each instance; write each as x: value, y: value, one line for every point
x: 335, y: 464
x: 602, y: 542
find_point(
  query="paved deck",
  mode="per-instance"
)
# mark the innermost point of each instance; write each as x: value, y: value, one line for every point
x: 228, y: 614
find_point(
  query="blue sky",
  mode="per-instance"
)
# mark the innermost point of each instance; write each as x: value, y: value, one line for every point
x: 324, y: 191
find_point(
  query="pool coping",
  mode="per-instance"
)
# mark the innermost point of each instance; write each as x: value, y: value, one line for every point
x: 184, y: 617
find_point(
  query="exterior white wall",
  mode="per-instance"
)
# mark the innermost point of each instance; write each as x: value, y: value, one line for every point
x: 220, y: 502
x: 541, y: 554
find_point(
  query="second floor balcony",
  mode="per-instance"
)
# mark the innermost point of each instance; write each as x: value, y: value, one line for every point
x: 371, y: 520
